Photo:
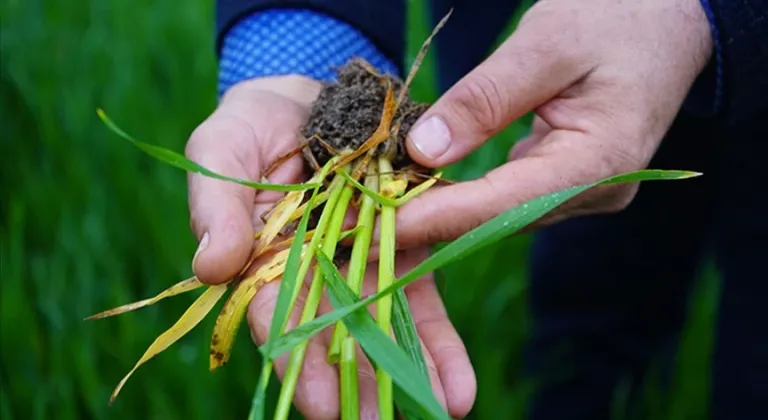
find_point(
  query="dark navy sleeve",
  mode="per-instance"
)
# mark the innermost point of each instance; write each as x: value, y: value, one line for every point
x: 380, y: 21
x: 735, y: 83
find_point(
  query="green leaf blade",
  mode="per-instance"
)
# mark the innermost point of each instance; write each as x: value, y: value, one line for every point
x: 290, y: 280
x: 495, y: 229
x: 179, y: 161
x: 405, y: 332
x: 260, y: 395
x: 380, y: 348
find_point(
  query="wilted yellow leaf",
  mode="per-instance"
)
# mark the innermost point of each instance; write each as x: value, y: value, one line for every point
x: 307, y: 236
x: 194, y: 314
x: 278, y: 218
x: 231, y: 315
x: 396, y: 186
x: 321, y: 198
x: 187, y: 285
x: 271, y: 247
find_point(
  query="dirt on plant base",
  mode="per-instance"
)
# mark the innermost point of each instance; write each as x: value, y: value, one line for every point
x: 348, y: 111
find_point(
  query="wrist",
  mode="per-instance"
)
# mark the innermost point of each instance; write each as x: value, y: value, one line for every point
x: 705, y: 96
x: 701, y: 27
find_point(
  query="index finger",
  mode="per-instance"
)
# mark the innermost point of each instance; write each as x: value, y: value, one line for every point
x: 564, y: 159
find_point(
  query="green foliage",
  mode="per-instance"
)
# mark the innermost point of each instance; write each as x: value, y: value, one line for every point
x: 416, y: 395
x: 487, y: 234
x: 178, y: 160
x: 88, y: 224
x: 406, y: 335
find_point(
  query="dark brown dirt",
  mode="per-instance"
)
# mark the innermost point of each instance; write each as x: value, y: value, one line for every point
x: 343, y: 255
x: 347, y: 112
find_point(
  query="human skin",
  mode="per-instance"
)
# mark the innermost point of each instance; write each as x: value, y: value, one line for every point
x: 256, y: 122
x: 605, y: 78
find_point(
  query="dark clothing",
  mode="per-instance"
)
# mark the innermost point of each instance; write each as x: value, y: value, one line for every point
x: 736, y: 80
x: 608, y: 293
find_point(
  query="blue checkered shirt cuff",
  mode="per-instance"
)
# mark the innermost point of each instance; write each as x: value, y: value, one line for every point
x: 280, y: 42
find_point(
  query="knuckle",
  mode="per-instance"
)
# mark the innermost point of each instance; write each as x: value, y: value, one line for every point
x: 482, y: 100
x: 197, y: 139
x: 617, y: 199
x: 493, y: 195
x: 619, y: 150
x: 218, y: 132
x: 430, y: 322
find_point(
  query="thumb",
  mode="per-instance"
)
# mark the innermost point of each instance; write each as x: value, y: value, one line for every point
x: 529, y: 68
x: 221, y: 211
x: 544, y: 170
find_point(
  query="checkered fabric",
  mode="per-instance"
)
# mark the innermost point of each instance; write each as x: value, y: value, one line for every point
x: 279, y: 42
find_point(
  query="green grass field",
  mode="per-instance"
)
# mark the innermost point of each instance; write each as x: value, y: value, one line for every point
x: 89, y: 223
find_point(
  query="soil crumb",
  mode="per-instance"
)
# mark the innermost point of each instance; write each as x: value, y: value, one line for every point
x: 348, y: 111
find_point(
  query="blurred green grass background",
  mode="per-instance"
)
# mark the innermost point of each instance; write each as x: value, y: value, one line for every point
x: 90, y: 223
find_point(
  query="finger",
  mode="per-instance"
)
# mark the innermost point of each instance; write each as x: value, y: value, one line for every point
x: 406, y: 260
x: 367, y: 387
x: 220, y: 211
x: 256, y: 122
x: 433, y: 374
x: 291, y: 171
x: 530, y: 67
x: 539, y: 129
x: 366, y: 375
x: 316, y: 394
x: 447, y: 355
x: 561, y: 160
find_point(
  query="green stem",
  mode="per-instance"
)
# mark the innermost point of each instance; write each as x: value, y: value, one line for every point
x: 386, y: 278
x: 350, y: 404
x: 310, y: 306
x: 359, y: 258
x: 257, y: 405
x: 336, y: 188
x: 331, y: 195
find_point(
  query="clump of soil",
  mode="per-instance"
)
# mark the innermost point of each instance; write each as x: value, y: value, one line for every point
x: 347, y: 112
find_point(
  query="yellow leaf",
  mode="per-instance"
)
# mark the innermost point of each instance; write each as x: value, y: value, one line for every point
x: 396, y: 186
x: 231, y: 316
x: 194, y: 314
x: 278, y: 218
x: 307, y: 237
x: 187, y: 285
x: 271, y: 247
x: 321, y: 198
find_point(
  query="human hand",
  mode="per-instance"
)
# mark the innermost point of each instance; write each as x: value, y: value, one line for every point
x: 605, y: 80
x: 317, y: 393
x: 256, y: 122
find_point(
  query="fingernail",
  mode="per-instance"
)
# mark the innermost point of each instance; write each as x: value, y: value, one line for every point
x: 200, y: 248
x: 431, y: 137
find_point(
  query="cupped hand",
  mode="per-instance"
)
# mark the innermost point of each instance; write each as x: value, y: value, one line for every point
x: 605, y: 78
x: 256, y: 122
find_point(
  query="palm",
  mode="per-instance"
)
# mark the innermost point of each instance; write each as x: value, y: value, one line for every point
x: 254, y: 126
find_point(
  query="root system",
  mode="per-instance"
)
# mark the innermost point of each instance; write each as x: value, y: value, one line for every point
x: 348, y: 111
